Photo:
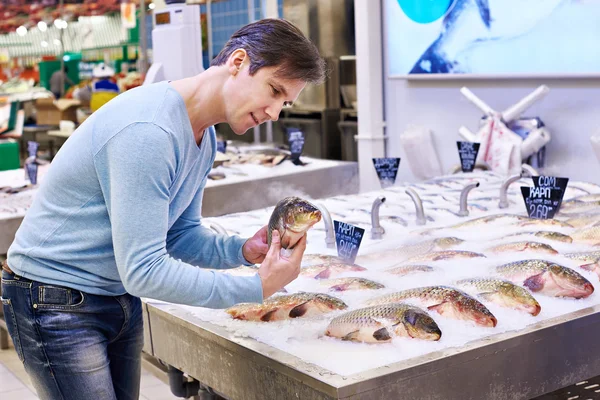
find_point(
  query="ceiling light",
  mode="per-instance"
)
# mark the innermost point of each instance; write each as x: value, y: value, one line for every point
x: 21, y: 31
x: 44, y: 43
x: 42, y: 26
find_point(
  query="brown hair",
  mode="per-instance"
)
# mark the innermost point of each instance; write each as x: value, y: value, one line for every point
x: 276, y: 43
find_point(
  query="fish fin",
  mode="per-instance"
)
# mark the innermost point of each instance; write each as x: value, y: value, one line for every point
x: 267, y: 317
x: 351, y: 336
x: 339, y: 288
x: 325, y: 274
x: 534, y: 283
x: 382, y: 334
x: 486, y: 295
x: 437, y: 307
x: 299, y: 310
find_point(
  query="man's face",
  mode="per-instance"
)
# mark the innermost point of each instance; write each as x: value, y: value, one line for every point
x: 252, y: 100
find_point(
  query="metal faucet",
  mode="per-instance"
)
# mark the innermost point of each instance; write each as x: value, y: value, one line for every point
x: 377, y: 230
x: 504, y: 188
x: 528, y: 170
x: 217, y: 228
x: 329, y: 232
x: 464, y: 211
x: 418, y: 206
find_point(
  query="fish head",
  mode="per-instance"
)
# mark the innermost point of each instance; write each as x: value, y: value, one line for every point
x: 568, y: 283
x: 556, y: 236
x: 419, y: 325
x: 516, y: 297
x: 299, y: 215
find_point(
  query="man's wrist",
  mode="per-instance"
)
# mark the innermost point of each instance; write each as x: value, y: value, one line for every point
x: 242, y: 253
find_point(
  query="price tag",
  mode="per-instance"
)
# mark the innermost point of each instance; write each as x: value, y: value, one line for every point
x: 467, y: 152
x: 348, y: 238
x: 31, y: 166
x: 387, y: 170
x: 544, y: 199
x: 296, y: 142
x: 558, y: 185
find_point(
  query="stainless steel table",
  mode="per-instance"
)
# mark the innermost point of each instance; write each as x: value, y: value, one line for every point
x: 515, y: 365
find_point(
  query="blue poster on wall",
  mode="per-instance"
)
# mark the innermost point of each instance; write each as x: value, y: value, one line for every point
x: 512, y: 38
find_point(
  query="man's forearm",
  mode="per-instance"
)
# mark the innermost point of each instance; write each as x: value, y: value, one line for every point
x: 201, y: 246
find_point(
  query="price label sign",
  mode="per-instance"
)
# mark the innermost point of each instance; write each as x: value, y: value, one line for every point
x: 347, y: 239
x: 467, y: 151
x: 296, y: 142
x: 387, y: 170
x: 544, y: 199
x: 31, y: 166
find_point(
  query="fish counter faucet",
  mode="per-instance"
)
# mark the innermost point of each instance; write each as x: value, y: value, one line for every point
x: 528, y: 170
x: 377, y: 230
x: 504, y: 188
x: 418, y: 206
x: 329, y: 233
x: 464, y: 210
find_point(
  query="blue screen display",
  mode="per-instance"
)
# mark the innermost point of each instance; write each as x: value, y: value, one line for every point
x: 492, y: 37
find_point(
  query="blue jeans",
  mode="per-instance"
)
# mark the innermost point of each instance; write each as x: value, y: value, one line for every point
x: 75, y: 345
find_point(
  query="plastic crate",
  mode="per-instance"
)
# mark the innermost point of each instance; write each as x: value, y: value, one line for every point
x: 9, y: 154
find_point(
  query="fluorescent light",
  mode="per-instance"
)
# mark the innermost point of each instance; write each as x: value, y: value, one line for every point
x: 42, y: 26
x: 151, y: 6
x: 21, y: 31
x: 44, y: 43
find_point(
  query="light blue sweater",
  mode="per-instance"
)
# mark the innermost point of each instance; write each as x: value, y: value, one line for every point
x: 119, y: 210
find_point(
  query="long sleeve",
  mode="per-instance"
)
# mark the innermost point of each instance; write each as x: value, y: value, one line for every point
x: 136, y: 169
x: 193, y: 243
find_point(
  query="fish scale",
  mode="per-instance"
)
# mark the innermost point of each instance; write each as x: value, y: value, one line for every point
x: 445, y: 255
x: 352, y: 283
x: 556, y: 236
x: 376, y: 324
x: 287, y: 306
x: 547, y: 277
x: 523, y: 246
x: 446, y: 300
x: 502, y: 292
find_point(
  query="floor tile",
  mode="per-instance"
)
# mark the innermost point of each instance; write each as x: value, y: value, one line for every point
x: 22, y: 394
x: 16, y: 385
x: 9, y: 382
x: 149, y: 380
x: 162, y: 392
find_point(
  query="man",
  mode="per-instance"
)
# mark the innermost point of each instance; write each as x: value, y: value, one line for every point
x: 103, y: 88
x: 58, y: 79
x: 118, y: 217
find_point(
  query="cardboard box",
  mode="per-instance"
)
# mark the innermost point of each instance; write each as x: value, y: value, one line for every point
x: 51, y: 112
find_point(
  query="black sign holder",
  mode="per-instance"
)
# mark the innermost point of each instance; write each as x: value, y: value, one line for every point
x: 347, y: 238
